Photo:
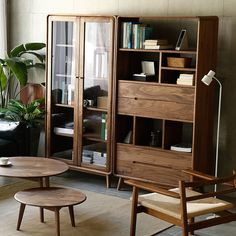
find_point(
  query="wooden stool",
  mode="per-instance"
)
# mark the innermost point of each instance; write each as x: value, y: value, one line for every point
x: 52, y: 198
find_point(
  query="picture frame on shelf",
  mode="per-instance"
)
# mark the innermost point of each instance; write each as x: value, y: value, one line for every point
x: 182, y: 42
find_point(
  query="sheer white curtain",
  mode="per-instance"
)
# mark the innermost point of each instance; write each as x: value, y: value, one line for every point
x: 3, y: 28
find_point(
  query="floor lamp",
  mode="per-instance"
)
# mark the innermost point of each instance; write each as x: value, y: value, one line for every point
x: 207, y: 79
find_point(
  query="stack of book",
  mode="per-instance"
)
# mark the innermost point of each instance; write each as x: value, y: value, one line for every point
x: 157, y: 44
x: 181, y: 147
x: 134, y: 34
x: 185, y: 79
x: 66, y: 130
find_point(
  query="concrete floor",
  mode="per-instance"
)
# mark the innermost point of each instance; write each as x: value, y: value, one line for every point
x: 98, y: 184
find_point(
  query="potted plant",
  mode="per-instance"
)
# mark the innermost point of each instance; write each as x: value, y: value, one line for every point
x: 14, y: 69
x: 13, y: 77
x: 31, y: 117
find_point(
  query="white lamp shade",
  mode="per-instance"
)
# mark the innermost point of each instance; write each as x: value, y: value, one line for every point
x: 207, y: 79
x: 211, y: 73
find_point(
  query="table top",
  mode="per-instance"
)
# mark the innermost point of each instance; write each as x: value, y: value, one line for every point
x: 50, y: 197
x: 33, y: 167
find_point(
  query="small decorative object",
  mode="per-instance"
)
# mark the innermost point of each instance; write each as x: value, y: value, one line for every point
x: 129, y: 137
x: 4, y: 160
x: 182, y: 42
x: 102, y: 102
x: 88, y: 103
x: 179, y: 62
x: 148, y: 72
x: 155, y: 140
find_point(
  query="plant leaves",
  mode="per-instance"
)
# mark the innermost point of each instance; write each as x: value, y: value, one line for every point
x: 34, y: 46
x: 3, y: 79
x: 15, y: 51
x: 39, y: 56
x: 19, y: 69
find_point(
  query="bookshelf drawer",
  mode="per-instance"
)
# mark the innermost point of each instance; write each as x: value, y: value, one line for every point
x: 155, y: 165
x: 156, y: 109
x: 152, y: 91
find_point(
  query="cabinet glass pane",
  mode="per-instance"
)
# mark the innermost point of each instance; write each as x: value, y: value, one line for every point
x: 63, y: 85
x: 96, y: 64
x: 63, y: 62
x: 97, y: 43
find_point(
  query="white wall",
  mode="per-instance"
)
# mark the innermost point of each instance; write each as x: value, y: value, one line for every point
x: 28, y: 23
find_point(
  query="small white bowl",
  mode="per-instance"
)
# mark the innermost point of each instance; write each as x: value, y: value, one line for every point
x: 4, y: 160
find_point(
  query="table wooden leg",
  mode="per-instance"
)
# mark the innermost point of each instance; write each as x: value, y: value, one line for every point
x: 47, y: 183
x: 72, y: 216
x: 21, y: 213
x: 120, y: 182
x: 41, y: 215
x: 57, y: 218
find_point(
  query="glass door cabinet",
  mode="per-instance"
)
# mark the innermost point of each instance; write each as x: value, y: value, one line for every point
x: 79, y: 83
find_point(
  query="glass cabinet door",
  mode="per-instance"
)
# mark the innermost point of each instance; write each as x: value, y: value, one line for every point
x: 96, y: 92
x: 63, y: 34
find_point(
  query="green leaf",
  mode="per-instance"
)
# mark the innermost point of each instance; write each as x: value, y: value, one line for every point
x: 39, y: 56
x: 34, y: 46
x: 19, y: 69
x: 18, y: 49
x: 3, y: 78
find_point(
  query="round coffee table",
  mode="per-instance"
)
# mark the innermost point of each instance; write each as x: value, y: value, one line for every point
x: 40, y: 168
x: 33, y: 167
x: 52, y: 198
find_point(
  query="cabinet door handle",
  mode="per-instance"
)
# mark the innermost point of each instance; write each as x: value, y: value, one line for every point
x: 135, y: 98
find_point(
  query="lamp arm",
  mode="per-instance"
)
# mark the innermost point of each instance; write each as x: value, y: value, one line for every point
x: 218, y: 127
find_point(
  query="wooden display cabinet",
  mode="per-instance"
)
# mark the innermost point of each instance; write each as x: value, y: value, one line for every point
x: 79, y: 83
x: 150, y: 117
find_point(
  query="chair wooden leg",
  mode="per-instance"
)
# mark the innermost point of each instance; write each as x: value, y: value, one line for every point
x: 72, y: 216
x: 20, y: 217
x: 191, y: 220
x: 57, y: 219
x: 134, y: 211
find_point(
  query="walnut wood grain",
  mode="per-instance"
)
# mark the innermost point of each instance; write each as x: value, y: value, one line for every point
x: 53, y: 198
x: 33, y: 167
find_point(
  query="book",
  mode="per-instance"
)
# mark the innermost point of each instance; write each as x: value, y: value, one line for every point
x: 136, y: 35
x: 126, y: 28
x: 145, y: 33
x: 181, y: 147
x: 158, y: 47
x: 104, y: 127
x: 156, y: 42
x: 63, y: 131
x: 185, y: 79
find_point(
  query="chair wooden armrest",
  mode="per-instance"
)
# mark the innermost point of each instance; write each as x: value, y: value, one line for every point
x: 151, y: 187
x: 199, y: 174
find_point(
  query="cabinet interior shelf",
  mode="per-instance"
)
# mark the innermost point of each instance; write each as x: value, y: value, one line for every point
x: 96, y: 109
x: 155, y: 50
x: 178, y: 68
x: 64, y: 105
x: 93, y: 137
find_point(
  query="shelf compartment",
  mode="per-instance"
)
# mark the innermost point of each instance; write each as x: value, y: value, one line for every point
x: 124, y: 132
x: 176, y: 133
x: 152, y: 164
x: 95, y: 125
x: 151, y: 135
x: 95, y: 154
